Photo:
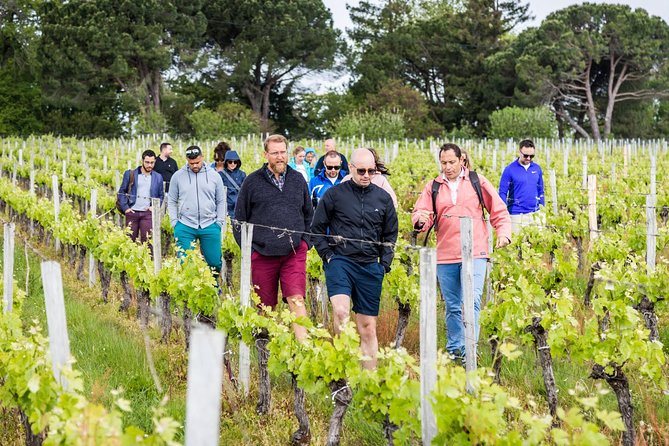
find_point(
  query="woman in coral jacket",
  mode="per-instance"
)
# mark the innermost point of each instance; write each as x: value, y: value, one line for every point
x: 457, y: 197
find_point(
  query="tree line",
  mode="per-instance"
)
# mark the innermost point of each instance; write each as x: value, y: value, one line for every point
x: 417, y: 68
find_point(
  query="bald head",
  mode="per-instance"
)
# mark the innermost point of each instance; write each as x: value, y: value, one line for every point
x: 330, y: 145
x: 362, y: 155
x: 363, y: 161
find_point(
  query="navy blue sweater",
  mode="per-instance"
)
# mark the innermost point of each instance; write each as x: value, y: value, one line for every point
x: 262, y: 203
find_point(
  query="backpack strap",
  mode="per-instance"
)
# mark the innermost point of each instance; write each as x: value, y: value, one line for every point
x: 435, y: 192
x: 476, y: 184
x: 131, y: 182
x: 234, y: 183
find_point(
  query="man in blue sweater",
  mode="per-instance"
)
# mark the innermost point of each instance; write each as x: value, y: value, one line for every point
x: 522, y: 188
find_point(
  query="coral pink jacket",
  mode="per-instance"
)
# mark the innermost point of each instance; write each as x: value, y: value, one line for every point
x: 467, y: 204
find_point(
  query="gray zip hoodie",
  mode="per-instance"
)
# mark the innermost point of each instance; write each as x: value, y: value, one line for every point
x: 196, y: 199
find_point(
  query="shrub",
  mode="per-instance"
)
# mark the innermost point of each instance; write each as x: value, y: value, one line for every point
x: 229, y: 119
x: 374, y: 125
x: 518, y: 123
x: 151, y: 122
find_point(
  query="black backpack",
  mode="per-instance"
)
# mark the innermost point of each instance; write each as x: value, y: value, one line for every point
x: 476, y: 184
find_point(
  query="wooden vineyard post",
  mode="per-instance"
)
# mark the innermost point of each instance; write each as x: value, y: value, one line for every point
x: 489, y: 296
x: 467, y: 283
x: 653, y: 174
x: 56, y: 205
x: 91, y: 259
x: 8, y: 267
x: 428, y: 341
x: 651, y: 232
x: 554, y: 197
x: 245, y: 301
x: 592, y: 206
x: 494, y: 156
x: 626, y: 155
x: 203, y: 394
x: 156, y: 220
x: 59, y: 343
x: 565, y: 160
x: 31, y: 186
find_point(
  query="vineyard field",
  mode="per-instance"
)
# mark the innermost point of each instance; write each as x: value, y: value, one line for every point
x: 581, y: 298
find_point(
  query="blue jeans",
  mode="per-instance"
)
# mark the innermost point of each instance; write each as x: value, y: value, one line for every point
x: 210, y: 242
x: 451, y: 289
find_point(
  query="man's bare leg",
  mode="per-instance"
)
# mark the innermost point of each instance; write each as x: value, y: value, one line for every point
x: 297, y: 307
x: 341, y: 309
x: 369, y: 344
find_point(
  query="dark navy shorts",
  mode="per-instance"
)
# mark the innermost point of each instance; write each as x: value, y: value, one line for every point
x: 361, y: 281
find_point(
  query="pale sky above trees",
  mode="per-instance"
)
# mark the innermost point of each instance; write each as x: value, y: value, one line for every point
x: 539, y: 8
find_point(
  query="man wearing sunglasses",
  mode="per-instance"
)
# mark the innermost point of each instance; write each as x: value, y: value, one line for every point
x: 522, y: 188
x: 328, y: 177
x: 196, y: 206
x: 354, y: 231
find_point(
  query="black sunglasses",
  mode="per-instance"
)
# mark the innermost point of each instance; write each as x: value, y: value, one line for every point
x: 333, y: 167
x: 193, y: 153
x: 362, y: 172
x: 232, y: 161
x: 527, y: 156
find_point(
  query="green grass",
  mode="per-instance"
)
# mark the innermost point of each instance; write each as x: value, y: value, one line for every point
x: 108, y: 348
x: 110, y: 354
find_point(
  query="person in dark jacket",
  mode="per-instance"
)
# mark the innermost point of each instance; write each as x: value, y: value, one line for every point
x: 165, y: 164
x: 136, y: 202
x: 233, y: 177
x: 276, y: 196
x: 354, y: 270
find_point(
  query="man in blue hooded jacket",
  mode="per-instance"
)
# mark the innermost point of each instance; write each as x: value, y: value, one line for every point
x: 233, y: 177
x: 328, y: 177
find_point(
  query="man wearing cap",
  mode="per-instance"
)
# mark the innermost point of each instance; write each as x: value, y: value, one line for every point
x: 196, y: 206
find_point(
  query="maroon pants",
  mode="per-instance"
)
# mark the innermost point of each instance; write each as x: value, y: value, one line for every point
x: 140, y: 223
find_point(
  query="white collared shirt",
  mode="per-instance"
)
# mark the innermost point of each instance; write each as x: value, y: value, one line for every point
x: 453, y: 185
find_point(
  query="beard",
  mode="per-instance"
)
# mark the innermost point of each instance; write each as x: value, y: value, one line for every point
x: 278, y: 168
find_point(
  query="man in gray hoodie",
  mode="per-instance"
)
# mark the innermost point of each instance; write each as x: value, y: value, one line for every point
x: 196, y: 206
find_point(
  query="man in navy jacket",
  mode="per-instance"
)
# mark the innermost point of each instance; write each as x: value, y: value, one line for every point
x: 522, y: 188
x: 136, y: 199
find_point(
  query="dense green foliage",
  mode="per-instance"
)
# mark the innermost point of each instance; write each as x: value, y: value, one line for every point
x: 519, y: 123
x: 228, y: 120
x: 109, y: 68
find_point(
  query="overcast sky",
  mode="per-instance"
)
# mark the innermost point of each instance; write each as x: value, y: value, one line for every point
x: 539, y: 8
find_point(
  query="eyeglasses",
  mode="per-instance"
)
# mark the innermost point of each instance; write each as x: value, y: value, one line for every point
x: 284, y: 153
x: 527, y: 156
x: 232, y: 161
x: 362, y: 172
x: 193, y: 153
x: 333, y: 167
